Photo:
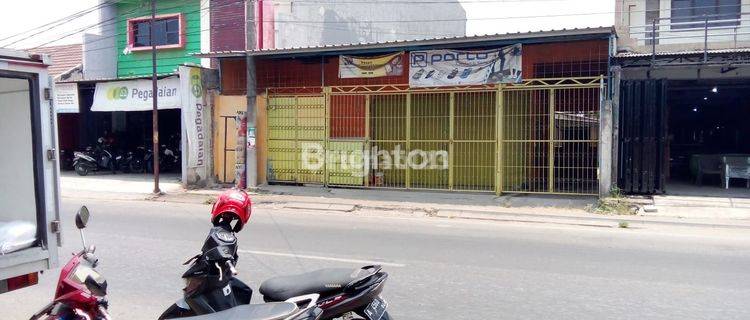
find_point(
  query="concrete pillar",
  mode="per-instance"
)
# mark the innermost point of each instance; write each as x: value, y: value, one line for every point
x: 616, y: 72
x: 605, y: 144
x: 206, y: 31
x: 251, y: 152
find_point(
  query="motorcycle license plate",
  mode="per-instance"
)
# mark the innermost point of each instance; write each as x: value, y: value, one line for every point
x: 376, y: 309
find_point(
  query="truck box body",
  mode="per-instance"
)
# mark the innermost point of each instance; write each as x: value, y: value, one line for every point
x: 29, y: 188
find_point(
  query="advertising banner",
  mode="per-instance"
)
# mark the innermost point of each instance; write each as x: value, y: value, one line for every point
x: 434, y: 68
x: 194, y: 114
x: 240, y: 151
x: 136, y: 95
x: 371, y: 67
x: 66, y: 97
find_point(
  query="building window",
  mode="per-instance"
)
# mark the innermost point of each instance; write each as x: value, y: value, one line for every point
x: 168, y: 32
x: 718, y: 12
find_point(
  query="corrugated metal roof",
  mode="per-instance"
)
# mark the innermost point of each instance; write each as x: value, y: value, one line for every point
x: 400, y: 44
x: 64, y: 58
x: 123, y: 78
x: 681, y: 53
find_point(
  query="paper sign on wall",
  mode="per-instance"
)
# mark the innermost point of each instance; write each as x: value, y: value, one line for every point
x: 66, y: 98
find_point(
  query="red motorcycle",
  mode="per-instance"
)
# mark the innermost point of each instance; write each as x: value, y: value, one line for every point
x: 81, y: 290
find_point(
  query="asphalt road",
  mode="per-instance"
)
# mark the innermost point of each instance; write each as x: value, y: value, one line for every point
x: 439, y: 269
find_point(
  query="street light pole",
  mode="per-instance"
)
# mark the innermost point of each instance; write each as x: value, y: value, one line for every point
x: 155, y: 112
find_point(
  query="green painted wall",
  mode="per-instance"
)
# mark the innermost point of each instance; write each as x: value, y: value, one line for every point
x: 139, y: 63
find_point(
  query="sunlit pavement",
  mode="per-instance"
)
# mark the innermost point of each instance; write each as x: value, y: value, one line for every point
x: 439, y: 268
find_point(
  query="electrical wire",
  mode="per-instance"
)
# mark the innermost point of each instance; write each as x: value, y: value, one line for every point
x: 60, y: 20
x: 128, y: 17
x: 321, y: 2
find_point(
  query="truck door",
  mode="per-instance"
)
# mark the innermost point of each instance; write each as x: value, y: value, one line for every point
x: 28, y: 188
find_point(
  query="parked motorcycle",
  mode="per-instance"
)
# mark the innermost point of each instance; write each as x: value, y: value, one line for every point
x: 210, y: 283
x: 169, y: 160
x: 81, y: 290
x: 66, y: 159
x: 94, y: 160
x: 343, y: 293
x: 134, y: 161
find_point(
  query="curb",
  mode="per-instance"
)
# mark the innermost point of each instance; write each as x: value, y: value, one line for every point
x: 454, y: 212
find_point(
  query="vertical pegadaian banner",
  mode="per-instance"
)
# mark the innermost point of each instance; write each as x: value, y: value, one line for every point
x: 194, y: 112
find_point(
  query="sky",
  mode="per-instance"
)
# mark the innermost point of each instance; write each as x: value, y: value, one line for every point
x: 484, y: 17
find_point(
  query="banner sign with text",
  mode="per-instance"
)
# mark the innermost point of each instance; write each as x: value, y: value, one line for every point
x: 371, y: 67
x: 434, y: 68
x: 240, y: 151
x: 194, y: 115
x: 66, y: 97
x: 136, y: 95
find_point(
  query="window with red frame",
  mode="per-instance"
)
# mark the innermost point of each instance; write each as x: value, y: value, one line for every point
x: 166, y: 32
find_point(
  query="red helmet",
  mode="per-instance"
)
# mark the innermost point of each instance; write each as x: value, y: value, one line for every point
x: 232, y: 205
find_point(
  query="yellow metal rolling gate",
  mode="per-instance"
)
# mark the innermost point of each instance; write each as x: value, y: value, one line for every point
x: 540, y: 136
x: 296, y: 129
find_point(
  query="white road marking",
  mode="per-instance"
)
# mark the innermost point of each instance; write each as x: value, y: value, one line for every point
x: 302, y: 256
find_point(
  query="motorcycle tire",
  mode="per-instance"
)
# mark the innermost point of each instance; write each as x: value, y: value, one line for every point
x: 136, y: 166
x: 81, y: 170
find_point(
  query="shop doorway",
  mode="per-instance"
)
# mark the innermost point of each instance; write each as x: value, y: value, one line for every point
x: 124, y: 134
x: 708, y: 131
x: 684, y: 137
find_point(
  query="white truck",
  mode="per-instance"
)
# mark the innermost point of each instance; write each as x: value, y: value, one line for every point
x: 29, y: 187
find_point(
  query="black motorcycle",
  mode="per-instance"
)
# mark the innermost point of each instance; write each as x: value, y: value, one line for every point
x: 169, y: 160
x: 94, y: 159
x: 344, y: 293
x: 213, y: 291
x: 134, y: 161
x: 211, y: 286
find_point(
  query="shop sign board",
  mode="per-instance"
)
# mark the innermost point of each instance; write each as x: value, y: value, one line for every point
x: 435, y: 68
x: 136, y: 95
x: 371, y: 67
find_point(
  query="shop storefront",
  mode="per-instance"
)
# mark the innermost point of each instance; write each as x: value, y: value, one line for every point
x: 117, y: 114
x: 502, y: 114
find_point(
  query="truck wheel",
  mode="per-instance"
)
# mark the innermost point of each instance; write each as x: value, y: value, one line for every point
x: 81, y: 169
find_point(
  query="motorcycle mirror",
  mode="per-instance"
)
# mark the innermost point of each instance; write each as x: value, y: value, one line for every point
x: 96, y: 288
x: 82, y: 217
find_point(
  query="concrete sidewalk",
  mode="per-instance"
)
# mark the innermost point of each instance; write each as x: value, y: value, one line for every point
x: 513, y: 208
x: 127, y: 186
x: 549, y: 209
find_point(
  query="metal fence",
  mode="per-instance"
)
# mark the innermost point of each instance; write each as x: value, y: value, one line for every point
x: 695, y: 29
x: 540, y: 136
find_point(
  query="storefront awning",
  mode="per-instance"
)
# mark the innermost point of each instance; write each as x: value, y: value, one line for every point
x: 136, y: 95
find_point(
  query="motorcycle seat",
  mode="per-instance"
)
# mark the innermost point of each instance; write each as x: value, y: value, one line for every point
x: 324, y: 282
x: 266, y: 311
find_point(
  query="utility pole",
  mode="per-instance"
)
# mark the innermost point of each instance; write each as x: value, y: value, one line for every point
x: 155, y: 112
x: 250, y: 44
